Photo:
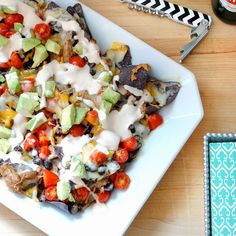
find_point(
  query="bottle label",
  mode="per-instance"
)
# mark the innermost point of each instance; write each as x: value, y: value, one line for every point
x: 230, y: 5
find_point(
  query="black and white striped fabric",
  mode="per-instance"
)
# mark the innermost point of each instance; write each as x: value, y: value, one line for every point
x: 173, y: 11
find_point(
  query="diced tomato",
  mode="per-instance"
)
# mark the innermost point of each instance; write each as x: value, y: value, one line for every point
x: 81, y: 194
x: 103, y: 196
x: 49, y: 178
x: 27, y: 86
x: 3, y: 89
x: 98, y: 157
x: 5, y: 65
x: 92, y: 117
x: 121, y: 155
x: 42, y: 31
x: 122, y: 181
x: 3, y: 29
x: 43, y: 138
x: 10, y: 19
x: 77, y: 130
x: 44, y: 152
x: 130, y: 144
x: 15, y: 61
x: 77, y: 61
x: 51, y: 193
x: 31, y: 142
x: 9, y: 34
x: 154, y: 121
x: 113, y: 177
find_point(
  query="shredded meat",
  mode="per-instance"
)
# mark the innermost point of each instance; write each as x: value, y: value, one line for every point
x: 18, y: 182
x: 67, y: 50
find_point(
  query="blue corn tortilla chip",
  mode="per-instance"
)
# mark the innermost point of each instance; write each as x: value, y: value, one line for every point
x: 135, y: 76
x: 127, y: 61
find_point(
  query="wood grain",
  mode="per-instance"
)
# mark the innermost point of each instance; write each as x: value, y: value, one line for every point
x: 176, y: 205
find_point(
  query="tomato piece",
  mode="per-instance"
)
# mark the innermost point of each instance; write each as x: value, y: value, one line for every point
x: 49, y: 178
x: 44, y: 152
x: 3, y: 89
x: 3, y: 29
x: 98, y: 157
x: 43, y: 138
x: 77, y: 61
x: 51, y: 193
x: 130, y: 144
x: 77, y: 130
x: 154, y: 121
x: 113, y: 177
x: 27, y: 86
x: 81, y: 194
x: 122, y: 181
x: 31, y: 142
x: 15, y: 61
x: 92, y: 117
x: 121, y: 155
x: 42, y: 31
x: 9, y: 34
x: 5, y: 65
x: 10, y: 19
x: 103, y: 196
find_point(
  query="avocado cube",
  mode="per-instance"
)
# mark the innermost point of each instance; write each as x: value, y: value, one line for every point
x: 18, y: 27
x: 63, y: 190
x: 106, y: 106
x: 105, y: 76
x: 13, y: 69
x: 78, y: 49
x: 40, y: 55
x: 50, y: 88
x: 8, y: 10
x: 67, y: 118
x: 13, y: 82
x: 30, y: 43
x: 80, y: 114
x: 5, y: 132
x: 36, y: 121
x: 27, y: 103
x: 111, y: 96
x: 81, y: 171
x: 52, y: 46
x: 4, y: 145
x: 3, y: 41
x: 2, y: 79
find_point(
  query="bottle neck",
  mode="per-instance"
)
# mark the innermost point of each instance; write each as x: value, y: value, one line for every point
x: 230, y: 5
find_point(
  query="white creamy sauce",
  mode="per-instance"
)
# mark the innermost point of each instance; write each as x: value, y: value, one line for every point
x: 134, y: 91
x: 90, y: 49
x: 30, y: 17
x: 108, y: 139
x: 87, y: 102
x: 119, y: 121
x: 14, y: 44
x: 18, y: 129
x: 79, y: 78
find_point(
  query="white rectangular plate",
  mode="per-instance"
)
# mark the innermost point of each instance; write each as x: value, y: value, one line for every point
x: 158, y: 152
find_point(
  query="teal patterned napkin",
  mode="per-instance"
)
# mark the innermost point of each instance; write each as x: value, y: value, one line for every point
x: 223, y: 188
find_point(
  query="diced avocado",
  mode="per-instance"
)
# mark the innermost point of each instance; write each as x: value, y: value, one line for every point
x: 63, y: 190
x: 105, y: 76
x: 13, y: 82
x: 18, y: 27
x: 27, y: 103
x: 78, y: 49
x: 13, y: 69
x: 80, y: 114
x: 106, y: 106
x: 4, y: 145
x: 8, y: 10
x: 30, y: 43
x: 71, y: 198
x: 67, y: 118
x: 3, y: 41
x: 2, y: 79
x: 81, y: 171
x: 111, y: 96
x: 52, y: 46
x: 5, y: 132
x: 40, y: 55
x: 36, y: 121
x: 50, y: 88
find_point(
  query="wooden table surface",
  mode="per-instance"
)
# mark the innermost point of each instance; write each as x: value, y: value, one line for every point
x: 176, y: 205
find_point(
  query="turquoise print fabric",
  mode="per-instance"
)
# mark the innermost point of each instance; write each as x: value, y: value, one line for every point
x: 223, y: 188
